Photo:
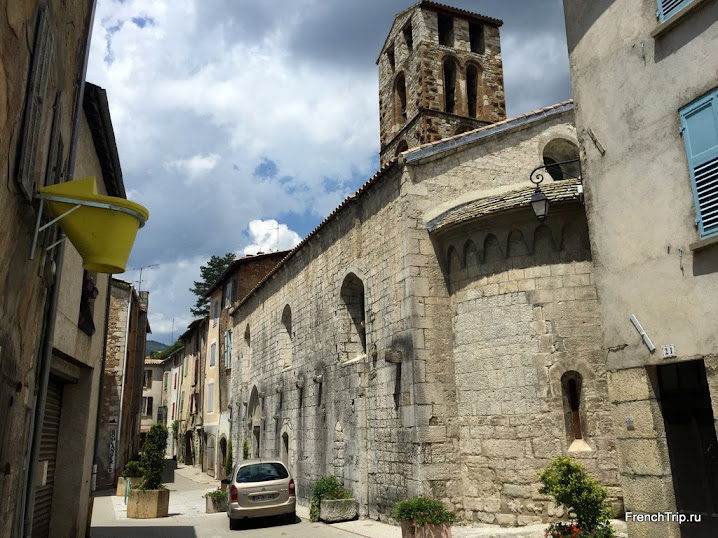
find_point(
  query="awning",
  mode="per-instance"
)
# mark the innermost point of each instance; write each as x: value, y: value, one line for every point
x: 101, y: 228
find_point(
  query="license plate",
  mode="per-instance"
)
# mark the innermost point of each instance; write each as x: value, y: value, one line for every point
x: 256, y: 498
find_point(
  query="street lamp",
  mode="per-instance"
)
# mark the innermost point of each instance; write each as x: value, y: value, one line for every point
x: 539, y: 203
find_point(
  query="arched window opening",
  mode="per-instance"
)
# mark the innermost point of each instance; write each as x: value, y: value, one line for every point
x: 449, y: 86
x: 571, y: 384
x: 390, y: 57
x: 473, y: 77
x: 446, y: 30
x: 560, y: 150
x: 285, y: 338
x: 246, y: 356
x: 352, y: 328
x: 401, y: 147
x: 400, y: 98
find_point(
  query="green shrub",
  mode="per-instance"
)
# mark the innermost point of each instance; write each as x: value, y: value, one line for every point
x: 153, y: 457
x: 175, y: 428
x: 573, y: 488
x: 422, y: 511
x: 327, y: 488
x: 245, y: 450
x: 218, y: 496
x: 229, y: 464
x: 132, y: 468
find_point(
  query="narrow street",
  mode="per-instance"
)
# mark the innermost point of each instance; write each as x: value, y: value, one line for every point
x: 187, y: 517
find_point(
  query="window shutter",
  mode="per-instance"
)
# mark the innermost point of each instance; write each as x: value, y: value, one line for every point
x: 699, y: 122
x: 53, y: 173
x: 149, y: 406
x: 668, y: 8
x: 34, y: 103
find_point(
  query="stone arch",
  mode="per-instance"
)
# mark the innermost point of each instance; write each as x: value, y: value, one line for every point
x: 352, y: 328
x: 574, y: 410
x: 450, y: 70
x: 471, y: 254
x: 400, y: 99
x: 401, y: 147
x: 492, y: 249
x: 516, y: 244
x: 474, y: 90
x: 543, y: 240
x: 222, y: 455
x: 559, y: 150
x: 453, y: 261
x: 285, y: 337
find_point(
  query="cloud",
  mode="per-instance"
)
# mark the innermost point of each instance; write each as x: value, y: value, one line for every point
x: 195, y: 166
x: 270, y: 236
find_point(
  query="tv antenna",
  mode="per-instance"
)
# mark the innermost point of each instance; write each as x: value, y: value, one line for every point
x: 140, y: 269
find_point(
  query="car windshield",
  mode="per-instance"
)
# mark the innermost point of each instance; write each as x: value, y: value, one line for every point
x: 261, y: 472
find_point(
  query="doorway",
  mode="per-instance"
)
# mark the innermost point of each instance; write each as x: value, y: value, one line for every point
x: 255, y: 445
x: 692, y: 445
x: 188, y: 449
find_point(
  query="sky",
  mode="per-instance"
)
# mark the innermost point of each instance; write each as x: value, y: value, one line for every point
x: 241, y: 124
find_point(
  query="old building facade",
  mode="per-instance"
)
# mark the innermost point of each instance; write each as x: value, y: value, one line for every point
x: 430, y: 336
x: 649, y: 162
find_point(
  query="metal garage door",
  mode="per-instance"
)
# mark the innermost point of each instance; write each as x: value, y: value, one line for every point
x: 48, y: 453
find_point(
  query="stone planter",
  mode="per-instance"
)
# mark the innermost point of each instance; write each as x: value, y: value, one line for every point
x: 146, y: 504
x: 215, y: 507
x: 425, y: 531
x: 121, y: 481
x: 332, y: 511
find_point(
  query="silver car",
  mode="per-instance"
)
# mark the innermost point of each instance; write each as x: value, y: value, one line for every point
x: 260, y: 488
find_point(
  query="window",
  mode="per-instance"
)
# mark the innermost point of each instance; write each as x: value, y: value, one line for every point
x: 229, y: 293
x: 353, y: 330
x: 175, y: 386
x: 212, y: 353
x: 147, y: 406
x: 173, y: 410
x: 476, y: 38
x: 186, y: 360
x: 446, y: 30
x: 699, y: 124
x: 147, y: 379
x: 571, y: 384
x: 182, y: 401
x: 472, y: 89
x: 400, y: 98
x: 408, y: 37
x: 228, y: 349
x: 196, y: 370
x: 668, y: 8
x: 85, y: 321
x: 210, y: 398
x: 560, y: 150
x: 390, y: 57
x: 285, y: 338
x: 449, y: 85
x: 165, y: 381
x: 400, y: 147
x: 215, y: 313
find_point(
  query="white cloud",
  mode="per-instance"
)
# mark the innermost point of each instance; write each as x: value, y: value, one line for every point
x: 195, y: 166
x: 270, y: 236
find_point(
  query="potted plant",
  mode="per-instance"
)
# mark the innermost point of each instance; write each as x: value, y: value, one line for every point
x: 423, y: 517
x: 216, y: 501
x: 330, y: 502
x: 151, y: 499
x: 573, y: 488
x: 132, y: 473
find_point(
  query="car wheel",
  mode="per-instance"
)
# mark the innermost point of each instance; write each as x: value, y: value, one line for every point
x: 234, y: 524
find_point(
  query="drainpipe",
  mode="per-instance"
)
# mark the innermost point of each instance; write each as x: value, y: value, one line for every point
x: 45, y: 362
x: 124, y: 373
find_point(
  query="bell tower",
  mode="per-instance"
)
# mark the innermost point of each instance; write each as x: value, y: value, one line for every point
x: 440, y: 74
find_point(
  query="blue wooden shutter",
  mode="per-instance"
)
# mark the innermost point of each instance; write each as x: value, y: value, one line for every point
x: 699, y: 123
x: 668, y: 8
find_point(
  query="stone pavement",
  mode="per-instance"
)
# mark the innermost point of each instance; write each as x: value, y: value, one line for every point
x: 187, y: 517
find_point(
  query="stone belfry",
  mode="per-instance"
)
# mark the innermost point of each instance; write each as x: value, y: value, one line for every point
x: 440, y: 74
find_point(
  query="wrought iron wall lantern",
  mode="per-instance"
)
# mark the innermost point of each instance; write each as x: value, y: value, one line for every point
x: 539, y: 201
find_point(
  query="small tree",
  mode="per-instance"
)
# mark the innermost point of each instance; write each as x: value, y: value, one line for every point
x: 573, y: 488
x: 209, y: 274
x: 153, y: 457
x: 229, y: 463
x: 245, y: 450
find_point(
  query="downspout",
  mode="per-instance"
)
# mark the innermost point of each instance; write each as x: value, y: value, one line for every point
x: 124, y: 373
x: 47, y: 345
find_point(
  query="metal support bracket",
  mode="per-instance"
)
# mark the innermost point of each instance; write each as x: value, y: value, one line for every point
x: 39, y: 228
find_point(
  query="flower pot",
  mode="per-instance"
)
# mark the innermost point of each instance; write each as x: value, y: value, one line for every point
x: 332, y: 511
x: 121, y: 481
x: 146, y: 504
x: 409, y: 530
x: 214, y: 507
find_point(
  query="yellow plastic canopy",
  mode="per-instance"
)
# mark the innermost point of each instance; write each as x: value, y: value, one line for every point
x: 102, y: 228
